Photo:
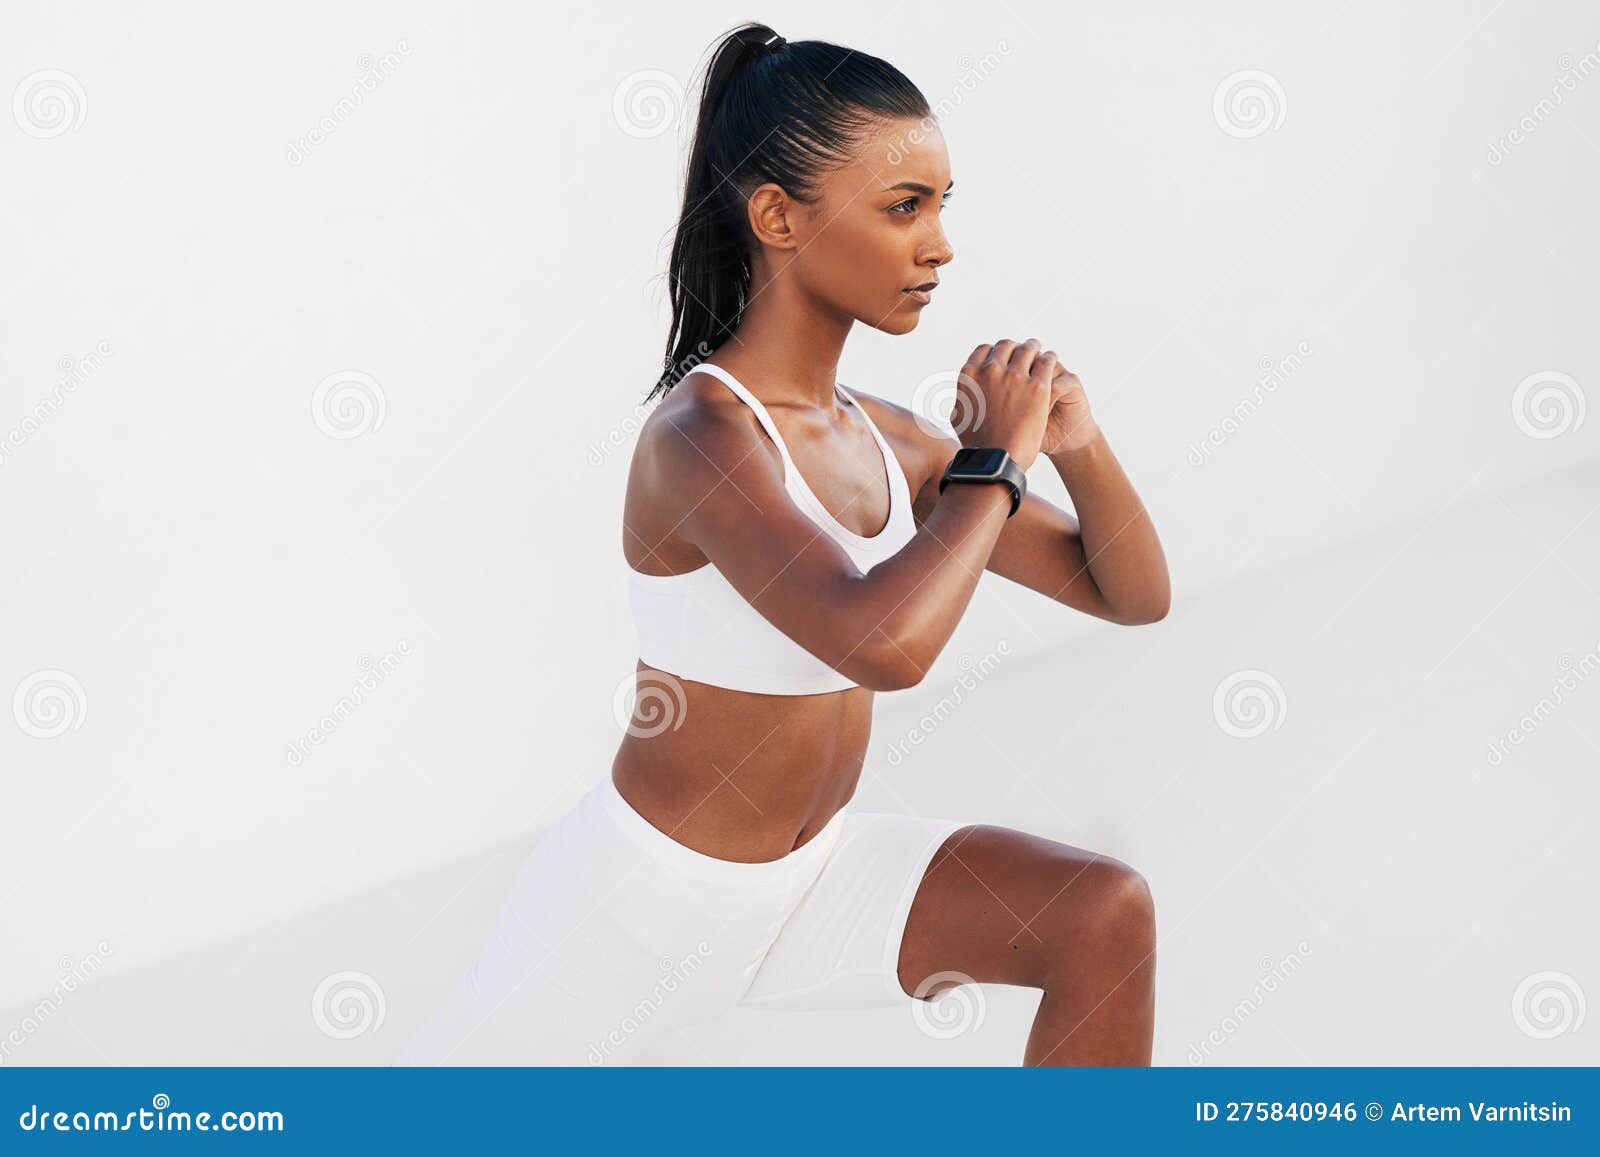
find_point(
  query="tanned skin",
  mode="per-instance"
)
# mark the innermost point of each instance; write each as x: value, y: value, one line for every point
x: 750, y: 777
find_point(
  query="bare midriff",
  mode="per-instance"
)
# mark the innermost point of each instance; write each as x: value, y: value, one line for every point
x: 736, y: 775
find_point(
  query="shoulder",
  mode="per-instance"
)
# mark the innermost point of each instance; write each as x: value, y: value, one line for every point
x: 701, y: 427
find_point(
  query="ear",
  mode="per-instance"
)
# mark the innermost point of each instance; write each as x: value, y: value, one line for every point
x: 770, y: 211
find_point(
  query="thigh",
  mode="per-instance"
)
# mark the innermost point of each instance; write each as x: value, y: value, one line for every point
x: 1005, y: 907
x: 599, y: 950
x: 838, y: 946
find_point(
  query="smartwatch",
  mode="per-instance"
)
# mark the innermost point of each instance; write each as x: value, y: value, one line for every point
x: 987, y: 464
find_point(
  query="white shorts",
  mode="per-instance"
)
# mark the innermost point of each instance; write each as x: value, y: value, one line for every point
x: 615, y: 934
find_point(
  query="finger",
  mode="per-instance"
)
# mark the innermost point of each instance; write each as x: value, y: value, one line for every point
x: 1044, y: 367
x: 1000, y: 353
x: 1022, y: 356
x: 979, y: 354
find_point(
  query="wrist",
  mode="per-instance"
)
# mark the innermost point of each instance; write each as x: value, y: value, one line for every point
x: 1087, y: 450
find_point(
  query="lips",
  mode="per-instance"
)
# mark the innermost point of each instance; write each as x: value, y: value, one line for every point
x: 922, y: 293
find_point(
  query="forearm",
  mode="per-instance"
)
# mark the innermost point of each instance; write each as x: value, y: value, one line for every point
x: 918, y: 596
x: 1120, y: 544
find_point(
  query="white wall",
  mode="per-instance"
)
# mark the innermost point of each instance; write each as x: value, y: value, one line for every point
x: 211, y: 567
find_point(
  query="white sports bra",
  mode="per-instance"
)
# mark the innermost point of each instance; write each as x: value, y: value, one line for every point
x: 698, y: 626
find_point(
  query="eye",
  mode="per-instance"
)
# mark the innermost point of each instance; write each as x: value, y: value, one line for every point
x: 900, y: 206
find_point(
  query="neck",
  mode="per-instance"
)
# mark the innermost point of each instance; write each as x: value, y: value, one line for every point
x: 787, y: 346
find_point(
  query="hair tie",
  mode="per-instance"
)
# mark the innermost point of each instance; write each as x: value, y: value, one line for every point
x: 775, y: 41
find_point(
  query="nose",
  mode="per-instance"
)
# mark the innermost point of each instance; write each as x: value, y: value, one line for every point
x: 937, y: 251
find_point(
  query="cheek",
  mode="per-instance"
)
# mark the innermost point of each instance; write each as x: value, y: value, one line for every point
x: 865, y: 261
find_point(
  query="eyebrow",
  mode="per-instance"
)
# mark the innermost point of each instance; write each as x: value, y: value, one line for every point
x: 918, y: 187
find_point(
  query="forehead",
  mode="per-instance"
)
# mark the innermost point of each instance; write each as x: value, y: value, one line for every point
x: 892, y: 151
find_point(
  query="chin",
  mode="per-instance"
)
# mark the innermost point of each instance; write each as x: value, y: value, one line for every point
x: 900, y: 321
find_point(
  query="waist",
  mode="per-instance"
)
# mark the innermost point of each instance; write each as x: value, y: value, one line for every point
x: 743, y: 777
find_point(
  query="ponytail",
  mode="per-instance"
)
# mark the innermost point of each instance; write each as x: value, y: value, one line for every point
x: 768, y: 111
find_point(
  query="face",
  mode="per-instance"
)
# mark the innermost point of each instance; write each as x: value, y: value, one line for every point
x: 874, y: 233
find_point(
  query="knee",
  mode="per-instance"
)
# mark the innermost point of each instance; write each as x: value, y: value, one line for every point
x: 1117, y: 906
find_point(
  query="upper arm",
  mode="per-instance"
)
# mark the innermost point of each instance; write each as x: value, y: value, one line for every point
x: 1039, y: 548
x: 723, y: 481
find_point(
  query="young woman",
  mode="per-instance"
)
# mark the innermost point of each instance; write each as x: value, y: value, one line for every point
x: 792, y: 548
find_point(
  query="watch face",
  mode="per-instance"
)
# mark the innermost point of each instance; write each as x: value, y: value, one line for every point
x: 980, y: 461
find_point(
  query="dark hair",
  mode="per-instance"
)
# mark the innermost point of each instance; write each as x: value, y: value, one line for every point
x: 769, y: 111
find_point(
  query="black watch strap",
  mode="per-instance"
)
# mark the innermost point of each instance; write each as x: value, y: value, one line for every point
x: 987, y: 464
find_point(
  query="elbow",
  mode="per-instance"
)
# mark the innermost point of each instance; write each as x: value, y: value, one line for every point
x: 891, y: 668
x: 1142, y: 616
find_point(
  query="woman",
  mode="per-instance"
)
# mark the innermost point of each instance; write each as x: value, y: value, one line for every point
x: 793, y: 547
